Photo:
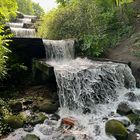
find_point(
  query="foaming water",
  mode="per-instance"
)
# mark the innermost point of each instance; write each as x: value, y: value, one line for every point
x: 59, y: 50
x: 15, y: 25
x: 23, y: 32
x: 89, y: 91
x: 24, y: 20
x: 30, y: 16
x: 92, y: 124
x: 82, y: 83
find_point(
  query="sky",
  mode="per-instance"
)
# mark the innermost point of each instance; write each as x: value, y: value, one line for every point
x: 47, y: 5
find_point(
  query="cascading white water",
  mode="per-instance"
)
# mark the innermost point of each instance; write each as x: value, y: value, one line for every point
x: 82, y: 83
x: 15, y: 25
x: 24, y: 20
x: 23, y: 32
x: 85, y: 85
x: 59, y: 50
x: 30, y: 17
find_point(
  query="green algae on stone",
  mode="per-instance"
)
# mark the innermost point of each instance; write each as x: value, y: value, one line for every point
x: 31, y: 137
x: 134, y: 118
x: 116, y: 129
x: 14, y: 121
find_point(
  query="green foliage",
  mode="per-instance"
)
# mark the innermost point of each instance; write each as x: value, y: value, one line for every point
x: 38, y: 10
x: 99, y: 23
x: 29, y: 7
x: 7, y: 11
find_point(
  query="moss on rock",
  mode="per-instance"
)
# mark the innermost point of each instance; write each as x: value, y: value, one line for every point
x: 31, y: 137
x: 134, y: 118
x: 36, y: 119
x: 14, y: 121
x: 117, y: 129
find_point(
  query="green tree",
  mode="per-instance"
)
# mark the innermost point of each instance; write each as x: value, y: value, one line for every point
x: 29, y: 7
x: 38, y: 10
x: 8, y: 10
x: 25, y: 6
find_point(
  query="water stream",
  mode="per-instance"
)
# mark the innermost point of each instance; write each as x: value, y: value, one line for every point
x: 89, y: 91
x: 23, y: 32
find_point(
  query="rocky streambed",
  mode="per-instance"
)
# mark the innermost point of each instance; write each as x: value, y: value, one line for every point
x: 40, y: 118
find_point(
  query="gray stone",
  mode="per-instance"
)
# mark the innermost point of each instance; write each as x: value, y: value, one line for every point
x: 131, y: 96
x: 132, y: 136
x: 28, y: 128
x: 136, y: 111
x: 124, y: 109
x: 55, y: 117
x: 137, y: 129
x: 47, y: 106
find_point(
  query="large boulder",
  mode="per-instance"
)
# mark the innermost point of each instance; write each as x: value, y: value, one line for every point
x: 36, y: 119
x: 47, y: 106
x: 15, y: 106
x: 14, y: 121
x: 124, y: 109
x: 116, y: 129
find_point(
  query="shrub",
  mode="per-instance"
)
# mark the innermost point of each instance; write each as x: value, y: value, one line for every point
x: 99, y: 24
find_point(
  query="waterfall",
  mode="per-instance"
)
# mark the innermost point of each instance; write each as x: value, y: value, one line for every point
x: 23, y: 32
x: 15, y: 25
x: 59, y: 50
x: 30, y: 17
x: 24, y: 20
x: 82, y: 83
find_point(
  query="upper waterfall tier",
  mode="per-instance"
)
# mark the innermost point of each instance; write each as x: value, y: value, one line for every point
x: 24, y: 20
x: 30, y: 16
x: 23, y: 32
x: 15, y: 25
x: 59, y: 50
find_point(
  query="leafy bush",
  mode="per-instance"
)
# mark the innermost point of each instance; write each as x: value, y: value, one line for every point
x: 7, y: 11
x: 99, y: 23
x: 29, y: 7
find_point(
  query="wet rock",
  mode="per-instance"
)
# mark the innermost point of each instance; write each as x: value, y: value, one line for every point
x: 134, y: 118
x: 68, y: 137
x: 28, y: 128
x: 116, y: 129
x: 50, y: 122
x: 124, y: 109
x: 20, y: 15
x: 48, y: 106
x: 86, y: 111
x: 68, y: 121
x: 36, y: 119
x: 55, y: 117
x: 132, y: 136
x: 28, y: 102
x: 15, y: 106
x: 14, y: 121
x: 131, y: 96
x: 136, y: 111
x: 137, y: 129
x: 124, y: 120
x: 31, y: 137
x: 46, y: 130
